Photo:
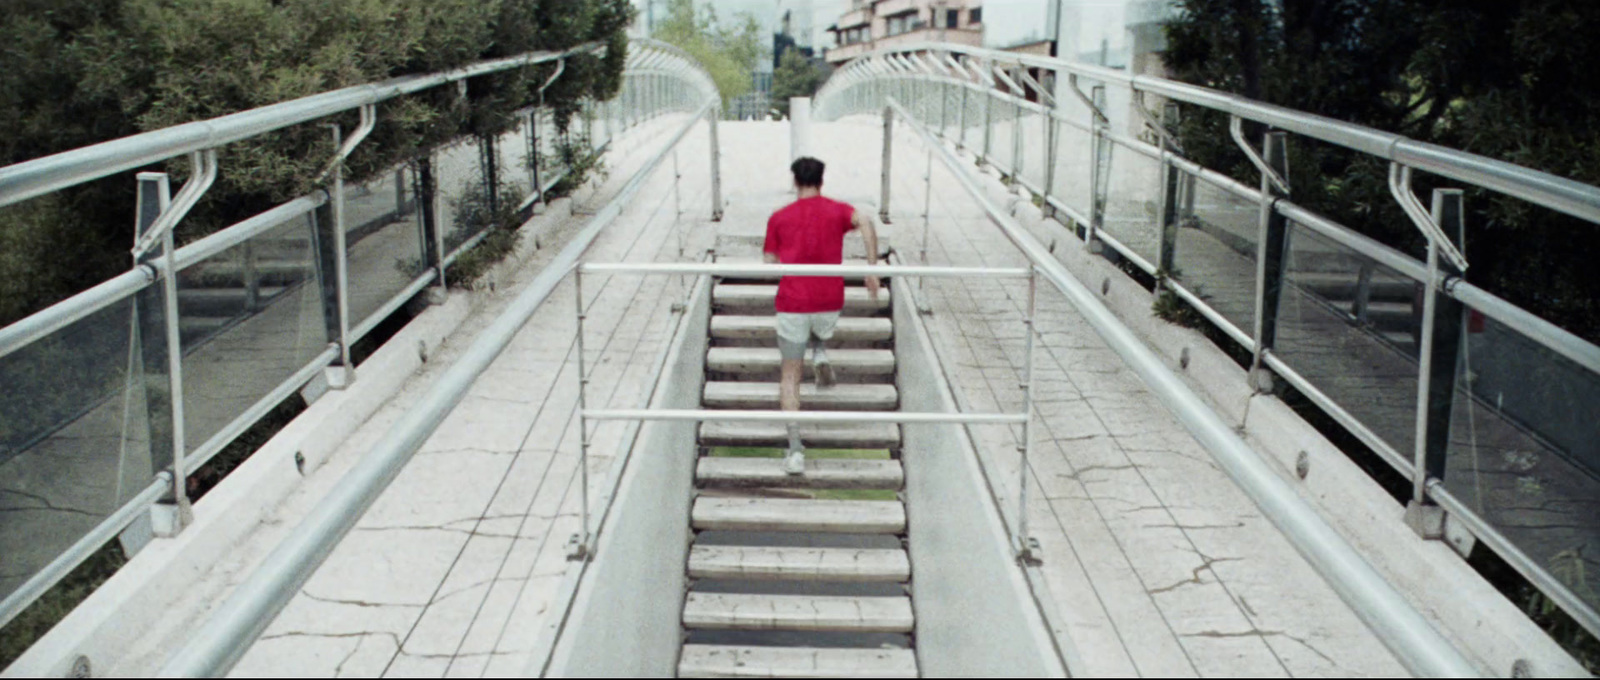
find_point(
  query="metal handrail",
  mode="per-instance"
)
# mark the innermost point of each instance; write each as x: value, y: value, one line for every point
x: 40, y: 176
x: 1410, y: 636
x: 1559, y: 340
x: 252, y: 606
x: 1538, y: 187
x: 743, y: 416
x: 773, y: 271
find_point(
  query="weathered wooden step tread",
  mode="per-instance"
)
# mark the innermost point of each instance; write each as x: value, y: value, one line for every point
x: 719, y: 661
x: 764, y: 395
x: 821, y: 473
x: 798, y: 514
x: 730, y: 611
x: 846, y: 362
x: 850, y: 329
x: 814, y: 435
x: 798, y: 564
x: 761, y: 295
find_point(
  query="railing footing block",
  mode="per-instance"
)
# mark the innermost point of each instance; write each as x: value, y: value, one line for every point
x: 168, y: 519
x: 1426, y: 520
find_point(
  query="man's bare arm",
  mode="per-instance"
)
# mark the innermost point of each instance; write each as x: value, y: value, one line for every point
x: 869, y: 233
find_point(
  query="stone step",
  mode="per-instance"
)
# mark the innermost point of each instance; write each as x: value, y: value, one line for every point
x: 821, y: 473
x: 764, y: 395
x: 729, y: 611
x: 765, y: 361
x: 719, y: 661
x: 758, y: 297
x: 1343, y: 286
x: 764, y: 328
x: 815, y: 435
x: 798, y: 514
x: 1391, y: 313
x: 798, y: 564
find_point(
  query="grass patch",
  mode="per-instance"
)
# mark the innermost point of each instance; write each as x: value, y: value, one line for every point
x: 16, y: 637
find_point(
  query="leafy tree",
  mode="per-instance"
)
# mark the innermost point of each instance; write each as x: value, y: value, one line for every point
x: 85, y: 71
x: 1508, y: 79
x: 795, y: 76
x: 728, y: 52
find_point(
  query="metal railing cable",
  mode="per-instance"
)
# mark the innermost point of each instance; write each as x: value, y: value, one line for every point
x: 252, y: 606
x: 1406, y: 632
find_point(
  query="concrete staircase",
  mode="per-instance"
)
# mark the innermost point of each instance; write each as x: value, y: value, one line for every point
x: 798, y: 576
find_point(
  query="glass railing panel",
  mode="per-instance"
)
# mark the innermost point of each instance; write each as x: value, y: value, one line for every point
x: 1002, y: 147
x: 383, y: 240
x: 1215, y: 256
x: 250, y: 317
x: 1133, y: 199
x: 74, y: 437
x: 1035, y: 148
x: 1072, y: 181
x: 463, y: 200
x: 1354, y: 341
x: 511, y: 155
x: 973, y: 122
x: 1523, y: 453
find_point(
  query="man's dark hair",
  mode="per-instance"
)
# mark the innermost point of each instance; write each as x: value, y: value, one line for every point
x: 807, y: 172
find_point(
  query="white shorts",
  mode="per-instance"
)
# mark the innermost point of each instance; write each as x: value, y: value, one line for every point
x: 795, y: 331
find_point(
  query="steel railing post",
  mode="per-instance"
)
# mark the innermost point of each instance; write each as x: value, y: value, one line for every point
x: 888, y: 149
x: 1098, y: 146
x: 1016, y: 135
x: 961, y: 118
x: 1052, y: 134
x: 988, y: 123
x: 716, y: 166
x: 431, y: 237
x: 1166, y: 253
x: 161, y: 350
x: 531, y: 120
x: 1271, y: 255
x: 332, y: 270
x: 1440, y: 349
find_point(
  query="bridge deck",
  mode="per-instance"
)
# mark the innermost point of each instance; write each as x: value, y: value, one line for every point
x: 1160, y: 566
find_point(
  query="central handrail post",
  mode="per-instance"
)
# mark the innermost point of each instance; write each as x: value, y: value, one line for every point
x: 888, y: 150
x: 1024, y: 543
x: 578, y: 547
x: 716, y: 165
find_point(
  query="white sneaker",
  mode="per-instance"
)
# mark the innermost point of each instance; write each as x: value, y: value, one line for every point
x: 824, y: 375
x: 795, y: 462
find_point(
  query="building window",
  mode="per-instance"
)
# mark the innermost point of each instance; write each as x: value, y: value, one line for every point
x: 975, y: 16
x: 952, y: 18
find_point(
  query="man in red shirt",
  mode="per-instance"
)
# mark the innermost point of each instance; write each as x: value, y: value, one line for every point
x: 810, y: 231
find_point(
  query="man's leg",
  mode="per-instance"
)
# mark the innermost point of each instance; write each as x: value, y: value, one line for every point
x: 821, y: 331
x: 792, y: 331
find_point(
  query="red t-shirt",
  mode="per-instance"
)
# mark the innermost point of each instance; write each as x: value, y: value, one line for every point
x: 810, y: 231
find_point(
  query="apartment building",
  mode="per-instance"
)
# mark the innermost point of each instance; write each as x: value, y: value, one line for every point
x: 871, y: 24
